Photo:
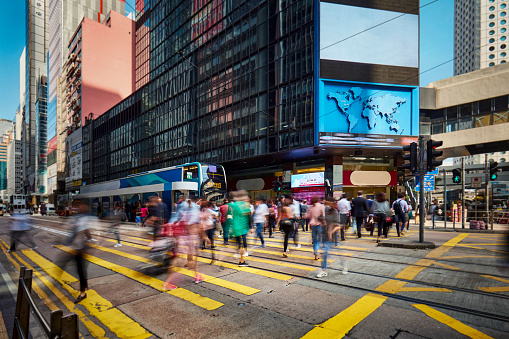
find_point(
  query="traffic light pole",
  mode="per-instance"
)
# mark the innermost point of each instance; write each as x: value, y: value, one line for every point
x: 487, y: 190
x: 422, y: 216
x: 463, y: 209
x: 445, y: 200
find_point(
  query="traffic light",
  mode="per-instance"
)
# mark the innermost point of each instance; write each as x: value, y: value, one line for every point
x: 432, y: 154
x: 277, y: 186
x: 456, y: 176
x: 412, y: 157
x: 493, y: 170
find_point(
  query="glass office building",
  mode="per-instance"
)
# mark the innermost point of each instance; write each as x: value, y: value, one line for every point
x: 231, y: 82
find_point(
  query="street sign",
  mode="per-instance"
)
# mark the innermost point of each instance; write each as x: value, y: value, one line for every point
x: 434, y: 172
x: 476, y: 182
x: 429, y: 183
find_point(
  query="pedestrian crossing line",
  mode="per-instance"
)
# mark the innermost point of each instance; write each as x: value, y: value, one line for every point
x: 98, y: 307
x: 482, y: 248
x: 470, y: 256
x: 94, y: 330
x: 266, y: 261
x: 446, y: 266
x: 451, y: 322
x: 310, y: 244
x: 182, y: 293
x: 272, y: 275
x: 423, y: 289
x: 208, y: 278
x: 496, y: 278
x: 141, y: 239
x: 141, y: 247
x: 290, y: 255
x: 339, y: 325
x: 304, y: 249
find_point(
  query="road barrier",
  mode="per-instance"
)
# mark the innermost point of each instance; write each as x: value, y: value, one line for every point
x: 60, y: 326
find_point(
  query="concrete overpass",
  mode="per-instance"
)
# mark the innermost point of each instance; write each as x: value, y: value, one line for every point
x: 486, y: 133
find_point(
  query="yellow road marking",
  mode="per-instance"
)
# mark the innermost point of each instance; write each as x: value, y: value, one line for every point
x: 272, y: 275
x: 142, y: 247
x: 495, y: 289
x: 267, y: 239
x: 339, y: 325
x: 408, y: 273
x: 141, y: 239
x: 447, y: 246
x: 446, y: 266
x: 119, y: 323
x: 451, y: 322
x: 482, y: 248
x: 483, y: 244
x: 182, y: 293
x: 496, y: 278
x: 291, y: 255
x: 95, y: 330
x: 456, y: 240
x: 266, y: 261
x: 208, y: 278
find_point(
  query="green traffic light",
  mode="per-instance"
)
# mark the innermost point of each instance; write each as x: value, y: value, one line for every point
x: 494, y: 177
x: 456, y: 179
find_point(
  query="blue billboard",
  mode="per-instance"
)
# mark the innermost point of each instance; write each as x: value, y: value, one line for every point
x: 355, y: 109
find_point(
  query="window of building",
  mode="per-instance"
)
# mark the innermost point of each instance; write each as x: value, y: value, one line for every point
x: 502, y: 6
x: 492, y: 8
x: 503, y: 14
x: 503, y: 46
x: 492, y: 32
x: 502, y: 30
x: 492, y: 64
x: 492, y: 40
x: 502, y: 38
x: 502, y: 54
x: 492, y: 56
x: 492, y: 16
x: 502, y: 62
x: 491, y: 24
x: 492, y: 48
x: 503, y: 22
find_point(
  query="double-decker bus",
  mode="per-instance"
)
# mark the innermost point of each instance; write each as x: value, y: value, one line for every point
x: 18, y: 203
x: 200, y: 179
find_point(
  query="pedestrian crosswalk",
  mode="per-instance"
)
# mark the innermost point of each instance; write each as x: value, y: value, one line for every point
x: 56, y: 286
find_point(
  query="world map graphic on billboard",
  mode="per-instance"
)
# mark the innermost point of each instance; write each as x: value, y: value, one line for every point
x: 366, y: 109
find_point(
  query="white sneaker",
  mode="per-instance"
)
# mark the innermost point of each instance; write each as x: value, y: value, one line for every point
x: 345, y: 270
x: 118, y: 245
x: 297, y: 246
x: 246, y: 254
x: 321, y: 274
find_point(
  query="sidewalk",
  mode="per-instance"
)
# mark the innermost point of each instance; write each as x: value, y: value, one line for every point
x: 456, y: 227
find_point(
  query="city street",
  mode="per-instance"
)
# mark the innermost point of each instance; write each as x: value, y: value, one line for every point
x: 458, y: 289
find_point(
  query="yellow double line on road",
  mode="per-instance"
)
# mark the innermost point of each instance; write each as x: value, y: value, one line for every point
x: 339, y: 325
x: 209, y: 279
x: 182, y: 293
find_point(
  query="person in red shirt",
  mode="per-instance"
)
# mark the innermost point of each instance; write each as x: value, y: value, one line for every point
x: 223, y: 209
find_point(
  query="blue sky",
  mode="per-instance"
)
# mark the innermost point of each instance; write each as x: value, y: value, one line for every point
x: 436, y: 46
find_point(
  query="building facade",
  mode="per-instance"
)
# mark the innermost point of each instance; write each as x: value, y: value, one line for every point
x: 14, y: 162
x: 480, y: 33
x: 260, y: 86
x: 5, y: 141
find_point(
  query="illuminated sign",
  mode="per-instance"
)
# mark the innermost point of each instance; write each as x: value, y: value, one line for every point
x: 308, y: 180
x: 365, y: 114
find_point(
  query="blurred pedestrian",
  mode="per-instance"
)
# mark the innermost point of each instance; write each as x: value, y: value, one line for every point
x: 260, y: 218
x: 272, y: 216
x: 296, y: 220
x: 20, y: 228
x: 114, y: 226
x: 225, y: 221
x: 80, y: 233
x: 303, y: 213
x: 400, y: 207
x: 143, y: 214
x: 359, y: 211
x: 331, y: 226
x: 207, y: 223
x: 285, y: 221
x: 381, y: 211
x: 344, y: 207
x: 241, y: 213
x: 316, y: 215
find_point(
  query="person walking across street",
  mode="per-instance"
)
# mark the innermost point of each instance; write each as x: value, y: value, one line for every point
x: 260, y: 218
x: 117, y: 214
x: 296, y: 220
x: 241, y: 213
x: 20, y: 228
x: 344, y: 207
x: 316, y: 215
x: 381, y: 211
x: 303, y: 215
x: 400, y: 207
x: 359, y: 211
x: 272, y: 216
x: 330, y: 227
x: 285, y: 221
x: 225, y: 222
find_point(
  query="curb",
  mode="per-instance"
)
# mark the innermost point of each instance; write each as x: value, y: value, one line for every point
x: 407, y: 244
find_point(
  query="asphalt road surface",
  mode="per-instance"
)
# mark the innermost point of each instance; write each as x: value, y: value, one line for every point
x: 459, y: 289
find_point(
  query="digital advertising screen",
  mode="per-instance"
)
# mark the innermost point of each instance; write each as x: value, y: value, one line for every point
x: 353, y: 113
x: 308, y: 180
x: 367, y: 35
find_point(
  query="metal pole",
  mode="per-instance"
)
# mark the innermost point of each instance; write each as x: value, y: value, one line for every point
x: 487, y: 189
x: 445, y: 200
x: 463, y: 209
x: 422, y: 216
x: 475, y: 204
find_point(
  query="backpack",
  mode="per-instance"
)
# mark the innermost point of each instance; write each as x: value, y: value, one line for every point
x: 397, y: 208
